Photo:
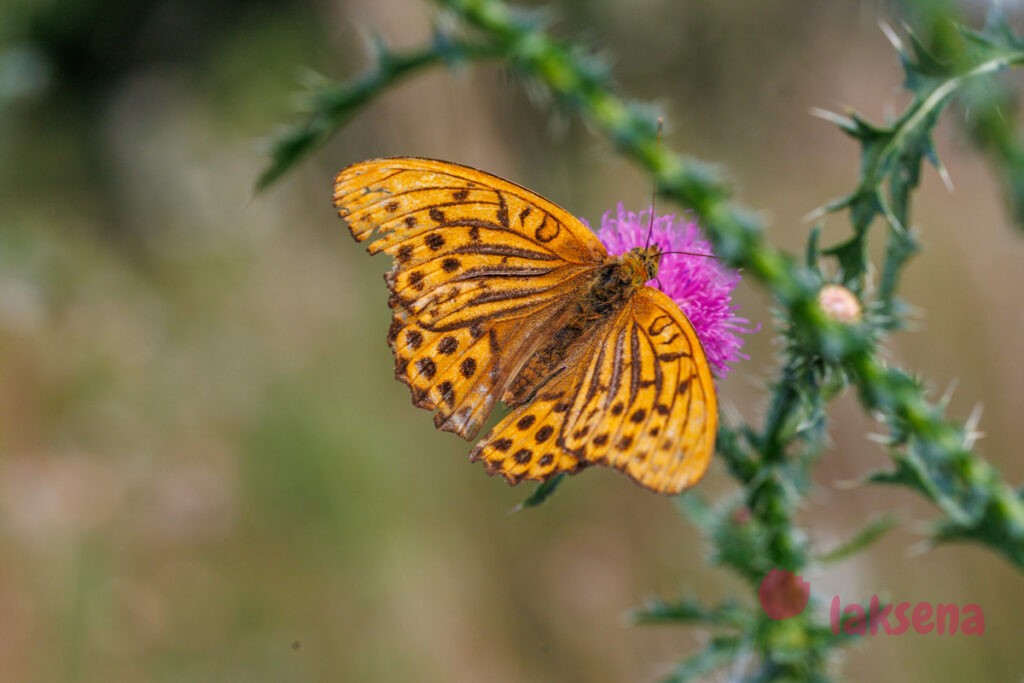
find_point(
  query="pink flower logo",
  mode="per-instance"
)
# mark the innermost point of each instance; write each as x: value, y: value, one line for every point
x: 783, y: 595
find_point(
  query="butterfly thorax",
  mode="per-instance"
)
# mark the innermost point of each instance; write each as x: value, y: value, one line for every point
x: 613, y: 283
x: 618, y: 278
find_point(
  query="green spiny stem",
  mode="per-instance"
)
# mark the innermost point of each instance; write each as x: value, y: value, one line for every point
x: 333, y: 104
x: 931, y: 454
x: 993, y: 121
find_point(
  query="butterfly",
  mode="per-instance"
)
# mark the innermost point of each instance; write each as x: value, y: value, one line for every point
x: 499, y: 294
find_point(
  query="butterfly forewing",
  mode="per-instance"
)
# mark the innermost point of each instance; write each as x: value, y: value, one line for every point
x: 408, y: 198
x: 482, y: 267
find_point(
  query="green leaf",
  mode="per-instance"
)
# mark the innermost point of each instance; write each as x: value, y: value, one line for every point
x: 873, y: 531
x: 540, y: 494
x: 717, y: 653
x: 923, y: 71
x: 690, y: 611
x: 813, y: 253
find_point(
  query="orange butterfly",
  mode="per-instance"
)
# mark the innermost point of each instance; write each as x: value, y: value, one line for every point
x: 499, y: 293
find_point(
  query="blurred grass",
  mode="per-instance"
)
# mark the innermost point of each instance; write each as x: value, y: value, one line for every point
x: 204, y: 458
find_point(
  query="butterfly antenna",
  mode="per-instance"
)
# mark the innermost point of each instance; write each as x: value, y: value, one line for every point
x: 654, y: 191
x: 692, y: 253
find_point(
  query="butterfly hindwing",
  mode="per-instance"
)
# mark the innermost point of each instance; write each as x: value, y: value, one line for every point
x: 640, y: 399
x: 454, y: 372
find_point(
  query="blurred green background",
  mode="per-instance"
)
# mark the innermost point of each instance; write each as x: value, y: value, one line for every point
x: 207, y: 471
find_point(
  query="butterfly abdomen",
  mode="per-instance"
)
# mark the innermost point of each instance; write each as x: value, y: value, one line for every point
x: 546, y: 363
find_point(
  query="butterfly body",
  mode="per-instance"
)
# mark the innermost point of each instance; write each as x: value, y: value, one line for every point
x: 610, y: 288
x: 499, y: 294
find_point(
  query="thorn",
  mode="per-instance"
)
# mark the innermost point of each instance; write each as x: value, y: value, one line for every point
x: 971, y: 438
x: 971, y: 433
x: 374, y: 44
x: 844, y: 122
x: 891, y: 35
x: 814, y: 215
x: 829, y: 207
x: 890, y: 217
x: 311, y: 79
x: 944, y: 174
x: 848, y: 484
x: 975, y: 417
x: 948, y: 393
x: 919, y: 526
x: 883, y: 439
x: 920, y: 548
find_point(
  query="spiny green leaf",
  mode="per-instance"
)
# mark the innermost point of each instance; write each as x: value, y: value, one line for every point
x: 332, y: 105
x: 923, y: 71
x: 996, y: 35
x: 813, y: 252
x: 717, y: 653
x: 873, y: 531
x: 690, y: 611
x: 540, y: 494
x: 852, y: 259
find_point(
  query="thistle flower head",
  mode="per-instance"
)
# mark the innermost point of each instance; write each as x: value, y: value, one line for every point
x: 701, y: 286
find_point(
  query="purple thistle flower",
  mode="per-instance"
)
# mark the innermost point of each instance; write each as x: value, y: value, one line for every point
x: 702, y: 287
